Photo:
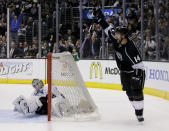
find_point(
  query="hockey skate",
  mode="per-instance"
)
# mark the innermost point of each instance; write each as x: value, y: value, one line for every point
x: 140, y: 118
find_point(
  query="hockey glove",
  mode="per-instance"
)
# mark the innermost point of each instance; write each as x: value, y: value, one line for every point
x: 100, y: 18
x: 98, y: 13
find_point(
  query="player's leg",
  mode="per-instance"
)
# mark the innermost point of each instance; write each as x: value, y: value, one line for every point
x: 138, y: 103
x: 137, y: 86
x: 43, y: 110
x: 17, y: 103
x: 134, y: 93
x: 126, y: 84
x: 26, y: 106
x: 125, y: 80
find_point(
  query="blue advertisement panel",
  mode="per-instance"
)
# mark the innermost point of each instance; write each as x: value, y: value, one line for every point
x: 88, y: 13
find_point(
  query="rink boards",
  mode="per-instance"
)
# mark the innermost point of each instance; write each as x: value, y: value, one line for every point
x: 96, y: 74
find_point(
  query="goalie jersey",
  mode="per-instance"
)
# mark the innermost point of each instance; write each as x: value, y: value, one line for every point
x: 43, y: 92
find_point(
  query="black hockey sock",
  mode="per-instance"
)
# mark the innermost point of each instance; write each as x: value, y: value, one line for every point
x: 138, y: 106
x: 139, y: 112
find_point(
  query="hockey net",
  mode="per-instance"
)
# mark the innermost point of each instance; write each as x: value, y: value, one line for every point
x: 63, y: 73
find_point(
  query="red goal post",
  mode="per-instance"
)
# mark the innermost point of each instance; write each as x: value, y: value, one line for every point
x: 49, y: 80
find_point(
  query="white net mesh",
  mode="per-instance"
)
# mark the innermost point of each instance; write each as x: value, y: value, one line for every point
x: 75, y: 101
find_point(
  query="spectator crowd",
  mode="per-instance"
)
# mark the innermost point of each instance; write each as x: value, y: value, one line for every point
x: 24, y: 28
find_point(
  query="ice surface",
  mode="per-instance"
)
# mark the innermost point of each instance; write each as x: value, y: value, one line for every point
x: 116, y: 113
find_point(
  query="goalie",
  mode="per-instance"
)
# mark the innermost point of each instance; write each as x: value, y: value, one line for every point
x: 38, y: 101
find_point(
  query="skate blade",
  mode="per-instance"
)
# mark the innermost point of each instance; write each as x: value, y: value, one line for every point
x: 141, y: 123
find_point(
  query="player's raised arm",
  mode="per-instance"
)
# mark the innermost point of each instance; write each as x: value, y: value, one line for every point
x: 108, y: 29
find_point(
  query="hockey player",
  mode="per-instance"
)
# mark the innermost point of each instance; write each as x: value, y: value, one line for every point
x: 37, y: 103
x: 129, y: 62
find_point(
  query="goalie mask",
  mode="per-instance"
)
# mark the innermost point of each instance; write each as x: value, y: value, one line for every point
x: 37, y: 84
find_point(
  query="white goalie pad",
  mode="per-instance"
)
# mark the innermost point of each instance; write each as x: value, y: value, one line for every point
x: 18, y: 99
x: 33, y: 103
x: 25, y: 106
x: 60, y: 107
x: 17, y: 102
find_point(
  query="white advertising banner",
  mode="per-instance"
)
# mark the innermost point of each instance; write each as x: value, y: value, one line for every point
x: 22, y: 68
x: 106, y: 71
x: 102, y: 71
x: 157, y: 75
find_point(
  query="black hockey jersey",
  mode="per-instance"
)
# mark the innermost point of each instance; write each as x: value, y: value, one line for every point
x: 126, y: 55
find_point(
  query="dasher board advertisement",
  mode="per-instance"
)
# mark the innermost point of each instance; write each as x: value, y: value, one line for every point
x: 99, y: 71
x: 106, y: 71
